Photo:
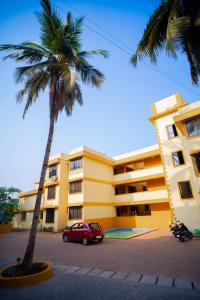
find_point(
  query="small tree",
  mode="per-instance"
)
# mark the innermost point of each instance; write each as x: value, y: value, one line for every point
x: 8, y: 203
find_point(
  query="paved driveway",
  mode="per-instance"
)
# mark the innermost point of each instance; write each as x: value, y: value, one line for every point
x: 157, y: 253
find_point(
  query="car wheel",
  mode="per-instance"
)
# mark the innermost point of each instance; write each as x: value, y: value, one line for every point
x: 85, y: 241
x: 100, y: 241
x: 65, y: 239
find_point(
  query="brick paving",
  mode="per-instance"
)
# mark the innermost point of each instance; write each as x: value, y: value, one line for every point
x: 74, y: 286
x: 156, y: 254
x: 140, y: 279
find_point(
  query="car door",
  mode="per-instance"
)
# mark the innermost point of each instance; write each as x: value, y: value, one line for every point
x: 81, y: 231
x: 73, y: 232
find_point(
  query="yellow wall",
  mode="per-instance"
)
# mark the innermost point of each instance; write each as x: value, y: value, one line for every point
x: 98, y: 212
x: 156, y: 184
x: 160, y: 217
x: 106, y: 223
x: 98, y: 170
x: 152, y: 161
x: 97, y: 192
x: 63, y: 195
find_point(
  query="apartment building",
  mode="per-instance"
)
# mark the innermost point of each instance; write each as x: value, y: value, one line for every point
x: 149, y: 187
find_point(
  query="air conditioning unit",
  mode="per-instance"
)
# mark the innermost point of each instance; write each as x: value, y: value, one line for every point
x: 54, y: 178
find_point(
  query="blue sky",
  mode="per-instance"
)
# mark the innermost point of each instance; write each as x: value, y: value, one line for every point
x: 114, y: 119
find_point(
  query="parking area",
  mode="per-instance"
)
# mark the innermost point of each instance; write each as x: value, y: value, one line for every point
x: 156, y: 253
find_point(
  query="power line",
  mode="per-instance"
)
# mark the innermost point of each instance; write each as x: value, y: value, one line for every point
x: 116, y: 43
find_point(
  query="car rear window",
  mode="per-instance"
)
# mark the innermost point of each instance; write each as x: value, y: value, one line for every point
x: 94, y: 226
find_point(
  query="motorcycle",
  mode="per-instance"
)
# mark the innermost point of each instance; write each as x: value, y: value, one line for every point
x: 181, y: 231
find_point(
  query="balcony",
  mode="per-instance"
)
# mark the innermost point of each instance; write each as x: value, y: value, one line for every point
x: 143, y: 174
x: 142, y: 197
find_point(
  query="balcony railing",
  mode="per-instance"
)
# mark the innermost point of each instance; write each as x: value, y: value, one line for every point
x: 138, y: 174
x: 158, y: 195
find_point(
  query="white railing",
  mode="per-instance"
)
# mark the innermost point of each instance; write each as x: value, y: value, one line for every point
x: 142, y: 196
x: 137, y: 174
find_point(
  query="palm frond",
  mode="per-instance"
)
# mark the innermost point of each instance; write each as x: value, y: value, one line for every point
x: 85, y: 54
x: 24, y: 53
x: 89, y: 74
x: 71, y: 98
x: 21, y: 73
x: 72, y: 30
x: 51, y: 25
x: 154, y: 34
x: 174, y: 29
x: 33, y: 86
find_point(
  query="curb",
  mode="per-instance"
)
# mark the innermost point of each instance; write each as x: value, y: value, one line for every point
x: 10, y: 282
x: 132, y: 277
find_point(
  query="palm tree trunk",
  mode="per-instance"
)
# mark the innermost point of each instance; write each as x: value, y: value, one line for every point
x: 28, y: 257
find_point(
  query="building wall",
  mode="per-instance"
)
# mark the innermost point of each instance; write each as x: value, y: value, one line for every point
x: 97, y: 196
x: 160, y: 217
x: 18, y: 223
x: 97, y: 169
x: 152, y: 161
x: 104, y: 215
x: 97, y: 192
x: 63, y: 195
x: 185, y: 210
x: 156, y: 184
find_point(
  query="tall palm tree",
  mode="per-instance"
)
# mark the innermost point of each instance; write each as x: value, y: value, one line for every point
x: 174, y: 25
x: 59, y: 64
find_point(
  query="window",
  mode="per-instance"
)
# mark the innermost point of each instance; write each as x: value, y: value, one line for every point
x: 94, y: 226
x: 134, y: 210
x: 193, y: 126
x: 74, y: 227
x: 123, y: 211
x: 41, y: 215
x: 118, y: 170
x: 171, y: 131
x: 196, y: 162
x: 51, y: 192
x: 185, y: 189
x: 23, y: 216
x: 144, y: 188
x: 52, y: 171
x: 76, y: 163
x: 82, y: 226
x: 75, y: 212
x: 178, y: 158
x: 121, y: 189
x: 50, y: 215
x: 131, y: 189
x: 75, y: 187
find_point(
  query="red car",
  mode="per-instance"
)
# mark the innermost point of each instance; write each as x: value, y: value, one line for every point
x: 83, y: 232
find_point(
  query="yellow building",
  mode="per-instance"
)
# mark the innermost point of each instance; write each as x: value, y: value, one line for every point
x: 149, y: 187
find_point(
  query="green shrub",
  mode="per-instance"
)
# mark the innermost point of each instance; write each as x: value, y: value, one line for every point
x: 48, y: 229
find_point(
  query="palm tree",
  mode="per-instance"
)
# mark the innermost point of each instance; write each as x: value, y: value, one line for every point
x: 174, y: 25
x: 59, y: 64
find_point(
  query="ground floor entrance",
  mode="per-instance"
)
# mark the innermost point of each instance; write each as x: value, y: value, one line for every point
x: 143, y: 216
